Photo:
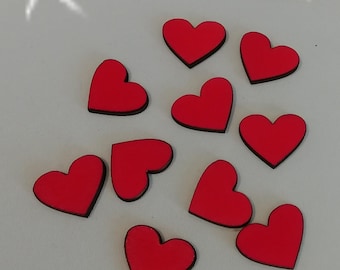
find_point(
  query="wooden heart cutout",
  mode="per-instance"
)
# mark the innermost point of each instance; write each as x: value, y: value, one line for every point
x: 145, y: 250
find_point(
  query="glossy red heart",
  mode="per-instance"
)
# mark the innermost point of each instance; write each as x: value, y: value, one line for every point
x: 145, y: 250
x: 132, y: 161
x: 276, y: 244
x: 191, y: 44
x: 272, y: 142
x: 111, y: 93
x: 216, y: 200
x: 265, y: 63
x: 208, y: 112
x: 75, y: 192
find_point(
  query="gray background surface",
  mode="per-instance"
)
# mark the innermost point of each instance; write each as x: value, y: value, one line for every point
x: 46, y: 66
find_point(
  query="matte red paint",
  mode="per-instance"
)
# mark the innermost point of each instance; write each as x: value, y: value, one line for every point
x: 132, y: 161
x: 263, y: 62
x: 276, y: 244
x: 144, y: 249
x: 75, y: 192
x: 272, y: 142
x: 191, y: 44
x: 111, y: 93
x: 208, y: 112
x: 216, y: 200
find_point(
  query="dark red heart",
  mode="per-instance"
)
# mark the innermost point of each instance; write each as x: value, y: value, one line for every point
x: 265, y: 63
x: 272, y: 142
x: 75, y: 192
x: 208, y: 112
x: 276, y: 244
x: 191, y: 44
x: 132, y: 161
x: 144, y: 249
x: 111, y: 93
x: 216, y: 200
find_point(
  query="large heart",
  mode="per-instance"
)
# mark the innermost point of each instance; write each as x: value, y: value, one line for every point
x: 276, y: 244
x: 216, y: 200
x: 208, y: 112
x: 75, y: 192
x: 272, y: 142
x: 191, y: 44
x: 144, y: 249
x: 132, y: 161
x: 111, y: 93
x: 263, y: 62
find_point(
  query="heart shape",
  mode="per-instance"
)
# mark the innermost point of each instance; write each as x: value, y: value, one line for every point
x: 144, y: 249
x: 276, y: 244
x: 216, y: 200
x: 263, y: 62
x: 272, y: 142
x: 75, y: 192
x: 191, y: 44
x: 132, y: 161
x: 208, y: 112
x: 111, y: 93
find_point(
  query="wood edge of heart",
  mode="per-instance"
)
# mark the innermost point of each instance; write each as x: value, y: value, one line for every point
x: 117, y: 113
x: 298, y: 250
x: 160, y: 240
x: 147, y: 174
x: 273, y: 166
x: 199, y: 60
x: 94, y: 200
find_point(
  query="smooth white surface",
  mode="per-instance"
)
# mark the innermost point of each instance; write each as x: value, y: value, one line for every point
x: 46, y: 68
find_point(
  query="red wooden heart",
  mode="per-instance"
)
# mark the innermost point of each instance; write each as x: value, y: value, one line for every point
x: 208, y: 112
x: 191, y: 44
x: 144, y: 249
x: 75, y: 192
x: 111, y: 93
x: 132, y: 161
x: 272, y: 142
x: 276, y: 244
x: 264, y: 63
x: 216, y: 200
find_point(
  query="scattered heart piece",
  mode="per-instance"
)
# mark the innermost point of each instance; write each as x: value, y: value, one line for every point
x: 272, y: 142
x: 276, y: 244
x: 208, y: 112
x: 191, y: 44
x: 265, y: 63
x: 132, y: 161
x: 75, y: 192
x: 216, y: 200
x: 144, y: 249
x: 111, y: 93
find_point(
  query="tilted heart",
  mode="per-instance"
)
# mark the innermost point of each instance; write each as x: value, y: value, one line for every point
x: 75, y: 192
x: 111, y: 93
x: 276, y: 244
x: 191, y: 44
x: 216, y: 200
x: 208, y: 112
x: 272, y: 142
x: 144, y: 249
x: 263, y: 62
x: 132, y: 161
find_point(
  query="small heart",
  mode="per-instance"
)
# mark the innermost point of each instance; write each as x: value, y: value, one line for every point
x: 216, y: 200
x: 132, y: 161
x: 265, y: 63
x: 276, y: 244
x: 191, y: 44
x: 111, y: 93
x: 144, y: 249
x: 208, y: 112
x: 272, y: 142
x: 75, y: 192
